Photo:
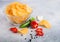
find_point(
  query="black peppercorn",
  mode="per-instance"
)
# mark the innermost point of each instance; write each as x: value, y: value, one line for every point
x: 29, y: 40
x: 25, y: 38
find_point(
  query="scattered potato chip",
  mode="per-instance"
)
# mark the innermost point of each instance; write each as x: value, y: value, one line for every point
x: 23, y: 31
x: 45, y: 23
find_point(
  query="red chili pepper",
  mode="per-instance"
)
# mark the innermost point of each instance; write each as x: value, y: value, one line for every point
x: 34, y: 24
x: 14, y: 29
x: 38, y: 29
x: 39, y: 34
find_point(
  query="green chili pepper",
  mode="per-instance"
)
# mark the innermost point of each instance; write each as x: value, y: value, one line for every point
x: 31, y: 19
x: 25, y: 24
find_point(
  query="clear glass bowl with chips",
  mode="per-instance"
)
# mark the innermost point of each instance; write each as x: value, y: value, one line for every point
x: 18, y: 12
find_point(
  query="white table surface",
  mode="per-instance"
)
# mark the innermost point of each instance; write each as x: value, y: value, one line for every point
x: 50, y: 9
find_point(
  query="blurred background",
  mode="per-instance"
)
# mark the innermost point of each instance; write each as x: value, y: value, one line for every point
x: 50, y: 9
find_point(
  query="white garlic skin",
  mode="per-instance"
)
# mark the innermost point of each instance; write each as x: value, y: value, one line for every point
x: 39, y: 18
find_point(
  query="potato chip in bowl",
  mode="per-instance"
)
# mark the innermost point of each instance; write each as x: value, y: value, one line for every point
x: 18, y: 12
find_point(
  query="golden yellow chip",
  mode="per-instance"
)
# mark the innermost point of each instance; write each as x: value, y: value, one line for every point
x: 23, y: 31
x: 45, y: 23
